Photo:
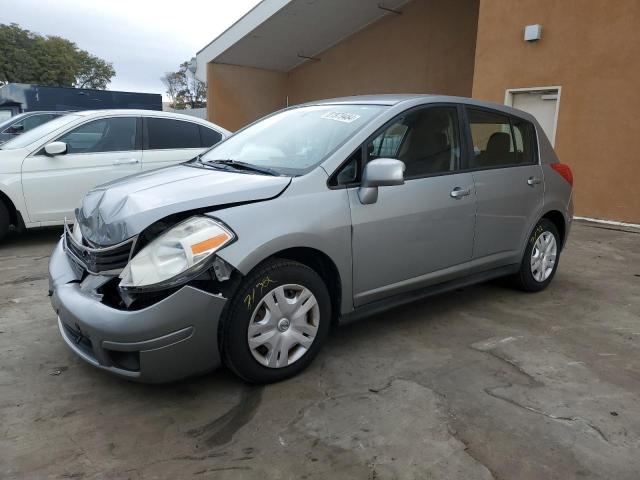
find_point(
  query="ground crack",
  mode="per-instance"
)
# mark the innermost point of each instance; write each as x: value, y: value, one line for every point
x: 491, y: 393
x: 534, y: 381
x: 444, y: 404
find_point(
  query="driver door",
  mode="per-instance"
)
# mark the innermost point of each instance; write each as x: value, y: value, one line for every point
x: 419, y: 233
x: 97, y: 152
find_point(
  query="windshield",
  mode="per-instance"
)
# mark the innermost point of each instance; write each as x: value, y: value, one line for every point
x: 294, y: 141
x: 31, y: 136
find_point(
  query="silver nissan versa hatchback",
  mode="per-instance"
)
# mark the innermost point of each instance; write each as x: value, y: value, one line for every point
x: 317, y: 214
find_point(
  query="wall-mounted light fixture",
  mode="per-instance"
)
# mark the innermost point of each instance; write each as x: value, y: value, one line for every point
x: 532, y: 33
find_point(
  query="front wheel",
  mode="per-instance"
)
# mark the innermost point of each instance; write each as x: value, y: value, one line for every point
x: 276, y: 322
x: 540, y: 260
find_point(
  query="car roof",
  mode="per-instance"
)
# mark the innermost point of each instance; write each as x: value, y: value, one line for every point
x: 412, y: 99
x: 41, y: 112
x: 381, y: 99
x: 148, y: 113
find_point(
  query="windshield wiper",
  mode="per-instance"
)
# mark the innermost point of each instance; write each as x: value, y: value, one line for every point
x: 236, y: 165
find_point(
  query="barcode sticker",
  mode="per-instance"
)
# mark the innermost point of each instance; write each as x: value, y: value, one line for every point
x: 341, y: 117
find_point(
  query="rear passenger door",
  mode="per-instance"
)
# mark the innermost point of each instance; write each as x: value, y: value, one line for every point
x: 508, y: 184
x: 168, y: 141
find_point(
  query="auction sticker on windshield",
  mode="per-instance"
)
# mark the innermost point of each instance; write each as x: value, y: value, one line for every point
x: 341, y: 117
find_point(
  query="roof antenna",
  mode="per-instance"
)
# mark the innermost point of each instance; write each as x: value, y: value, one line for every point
x: 390, y: 10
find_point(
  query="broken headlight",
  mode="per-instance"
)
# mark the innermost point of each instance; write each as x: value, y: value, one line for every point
x: 177, y: 255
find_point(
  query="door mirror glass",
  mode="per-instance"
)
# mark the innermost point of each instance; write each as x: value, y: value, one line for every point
x: 55, y: 148
x: 381, y: 172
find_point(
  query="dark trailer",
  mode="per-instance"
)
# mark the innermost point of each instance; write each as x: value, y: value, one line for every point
x: 22, y: 97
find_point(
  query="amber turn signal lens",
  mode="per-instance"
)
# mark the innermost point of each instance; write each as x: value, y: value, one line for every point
x: 209, y: 243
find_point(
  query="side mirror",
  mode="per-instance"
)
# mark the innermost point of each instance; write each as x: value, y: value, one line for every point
x: 55, y: 148
x: 381, y: 172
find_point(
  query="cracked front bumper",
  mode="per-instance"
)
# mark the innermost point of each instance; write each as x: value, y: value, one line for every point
x: 174, y: 338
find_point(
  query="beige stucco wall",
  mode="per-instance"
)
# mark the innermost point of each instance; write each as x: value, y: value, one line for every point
x: 238, y: 95
x: 591, y: 48
x: 430, y: 48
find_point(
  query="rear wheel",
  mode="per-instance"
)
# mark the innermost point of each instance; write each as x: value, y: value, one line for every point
x: 276, y: 322
x: 4, y: 220
x: 540, y: 260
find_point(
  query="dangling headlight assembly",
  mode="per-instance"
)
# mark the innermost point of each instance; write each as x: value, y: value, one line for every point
x: 177, y: 255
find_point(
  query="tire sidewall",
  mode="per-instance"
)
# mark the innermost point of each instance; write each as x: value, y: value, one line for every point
x: 235, y: 346
x: 529, y: 282
x: 4, y: 220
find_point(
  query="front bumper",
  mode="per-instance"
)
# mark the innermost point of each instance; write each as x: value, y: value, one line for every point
x: 174, y: 338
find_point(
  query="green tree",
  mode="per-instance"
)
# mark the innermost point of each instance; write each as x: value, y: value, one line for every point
x: 26, y: 57
x: 173, y: 82
x: 184, y: 89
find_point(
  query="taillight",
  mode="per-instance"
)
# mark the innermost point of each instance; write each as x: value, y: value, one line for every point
x: 563, y: 170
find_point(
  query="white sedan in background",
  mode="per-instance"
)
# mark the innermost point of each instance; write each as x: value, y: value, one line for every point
x: 45, y: 172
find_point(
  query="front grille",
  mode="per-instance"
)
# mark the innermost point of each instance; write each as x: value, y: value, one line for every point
x: 98, y: 260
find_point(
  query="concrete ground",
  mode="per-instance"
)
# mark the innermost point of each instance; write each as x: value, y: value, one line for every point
x: 484, y: 382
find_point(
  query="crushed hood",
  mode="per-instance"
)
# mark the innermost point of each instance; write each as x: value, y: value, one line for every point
x: 116, y: 211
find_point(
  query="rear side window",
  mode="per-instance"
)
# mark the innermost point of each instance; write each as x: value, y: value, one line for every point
x: 171, y: 134
x: 525, y: 141
x: 500, y: 141
x: 37, y: 120
x: 209, y: 137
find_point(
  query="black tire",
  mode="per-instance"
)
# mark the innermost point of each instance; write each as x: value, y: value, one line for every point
x: 525, y: 279
x: 5, y: 220
x: 253, y: 288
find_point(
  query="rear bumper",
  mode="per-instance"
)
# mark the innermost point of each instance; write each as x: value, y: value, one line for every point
x: 174, y: 338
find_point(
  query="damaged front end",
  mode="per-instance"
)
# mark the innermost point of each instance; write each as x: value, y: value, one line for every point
x: 144, y: 269
x: 153, y: 319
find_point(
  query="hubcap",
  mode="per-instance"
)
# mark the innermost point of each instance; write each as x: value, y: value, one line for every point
x: 283, y: 325
x: 543, y: 256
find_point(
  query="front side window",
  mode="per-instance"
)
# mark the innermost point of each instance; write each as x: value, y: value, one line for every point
x: 349, y: 173
x: 104, y: 135
x: 496, y: 144
x: 426, y: 140
x: 295, y: 141
x: 166, y: 134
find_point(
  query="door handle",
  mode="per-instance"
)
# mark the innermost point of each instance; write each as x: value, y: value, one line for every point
x: 125, y: 161
x: 533, y: 181
x: 459, y: 192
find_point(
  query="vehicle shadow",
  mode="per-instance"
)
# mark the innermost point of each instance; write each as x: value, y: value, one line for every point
x: 31, y: 237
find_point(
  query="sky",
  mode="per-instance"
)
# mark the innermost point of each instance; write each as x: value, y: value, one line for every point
x: 142, y: 38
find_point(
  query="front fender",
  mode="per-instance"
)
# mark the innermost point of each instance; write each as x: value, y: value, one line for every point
x: 293, y: 220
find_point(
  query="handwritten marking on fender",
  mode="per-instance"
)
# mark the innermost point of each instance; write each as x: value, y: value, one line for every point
x: 260, y: 286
